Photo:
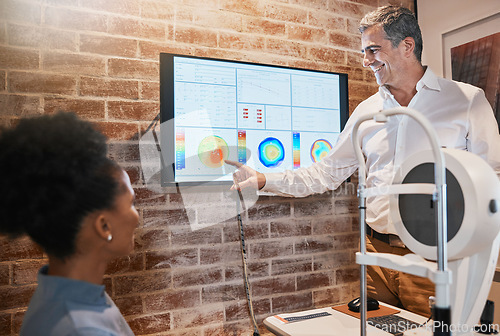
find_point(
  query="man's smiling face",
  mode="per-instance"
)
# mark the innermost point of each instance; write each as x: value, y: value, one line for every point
x: 386, y: 61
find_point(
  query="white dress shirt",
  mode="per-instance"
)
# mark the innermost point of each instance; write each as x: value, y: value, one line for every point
x: 460, y: 113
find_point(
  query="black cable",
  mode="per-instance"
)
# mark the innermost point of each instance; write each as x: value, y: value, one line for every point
x: 240, y: 205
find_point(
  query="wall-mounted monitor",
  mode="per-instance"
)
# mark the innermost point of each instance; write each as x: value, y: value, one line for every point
x: 269, y: 117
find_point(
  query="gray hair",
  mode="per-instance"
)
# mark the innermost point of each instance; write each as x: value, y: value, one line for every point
x: 398, y: 23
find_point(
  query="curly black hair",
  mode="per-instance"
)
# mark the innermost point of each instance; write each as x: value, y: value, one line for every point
x: 54, y: 171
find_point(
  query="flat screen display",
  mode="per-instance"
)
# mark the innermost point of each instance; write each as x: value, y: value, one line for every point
x: 272, y: 118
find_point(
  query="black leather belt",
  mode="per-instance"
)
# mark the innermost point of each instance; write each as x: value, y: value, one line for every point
x: 387, y: 238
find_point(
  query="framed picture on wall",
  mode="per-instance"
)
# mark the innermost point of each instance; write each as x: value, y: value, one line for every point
x: 472, y: 55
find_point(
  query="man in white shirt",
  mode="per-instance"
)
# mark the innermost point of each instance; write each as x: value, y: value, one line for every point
x: 392, y: 47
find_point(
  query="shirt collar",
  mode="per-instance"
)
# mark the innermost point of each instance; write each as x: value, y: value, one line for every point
x: 428, y: 80
x: 61, y: 287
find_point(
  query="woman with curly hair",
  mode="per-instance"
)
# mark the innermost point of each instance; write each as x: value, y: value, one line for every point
x: 60, y: 188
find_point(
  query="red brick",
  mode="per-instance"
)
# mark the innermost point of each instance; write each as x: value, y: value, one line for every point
x: 17, y: 320
x: 118, y: 130
x: 241, y: 41
x: 3, y: 34
x: 104, y: 87
x: 222, y: 20
x: 15, y: 296
x: 290, y: 228
x: 197, y: 276
x: 131, y: 263
x: 312, y: 280
x: 332, y: 225
x: 195, y: 35
x: 18, y: 105
x: 270, y: 249
x: 220, y: 254
x: 17, y: 58
x: 197, y: 317
x: 260, y: 211
x: 240, y: 328
x: 75, y: 19
x: 5, y: 323
x: 107, y: 45
x: 36, y: 37
x: 347, y: 275
x: 145, y: 196
x: 346, y: 206
x: 154, y: 218
x: 215, y: 214
x: 159, y: 10
x: 287, y: 48
x: 86, y: 108
x: 255, y: 269
x: 273, y: 286
x: 258, y: 25
x: 143, y: 282
x: 318, y: 4
x: 328, y: 55
x: 346, y: 241
x: 150, y: 324
x: 353, y: 25
x: 313, y: 208
x: 292, y: 302
x: 150, y: 91
x: 73, y: 64
x: 332, y: 296
x: 124, y: 152
x: 345, y: 40
x: 252, y: 231
x: 31, y: 82
x: 136, y: 28
x: 239, y: 310
x: 308, y: 64
x: 4, y: 274
x: 135, y: 69
x: 286, y: 13
x: 20, y: 248
x: 291, y: 266
x: 185, y: 236
x: 129, y: 7
x: 334, y: 260
x: 130, y: 305
x: 248, y: 7
x: 327, y: 20
x: 133, y: 110
x: 306, y: 33
x: 355, y: 59
x: 172, y: 258
x: 172, y: 300
x: 353, y: 73
x: 25, y: 272
x: 314, y: 245
x: 347, y: 8
x: 151, y: 50
x: 223, y: 293
x: 19, y: 11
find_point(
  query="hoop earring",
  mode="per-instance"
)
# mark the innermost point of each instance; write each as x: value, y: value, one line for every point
x: 110, y: 237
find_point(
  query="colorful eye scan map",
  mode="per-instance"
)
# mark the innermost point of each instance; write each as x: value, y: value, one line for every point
x: 212, y: 151
x: 319, y: 149
x: 271, y: 152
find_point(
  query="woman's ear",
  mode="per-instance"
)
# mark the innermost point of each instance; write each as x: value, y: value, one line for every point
x: 103, y: 228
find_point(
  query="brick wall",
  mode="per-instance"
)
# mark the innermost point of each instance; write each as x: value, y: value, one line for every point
x: 99, y: 58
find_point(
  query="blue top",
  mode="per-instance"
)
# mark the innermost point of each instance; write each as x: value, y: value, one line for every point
x: 62, y: 306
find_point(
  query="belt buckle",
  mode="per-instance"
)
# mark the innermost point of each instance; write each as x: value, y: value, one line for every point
x: 395, y: 241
